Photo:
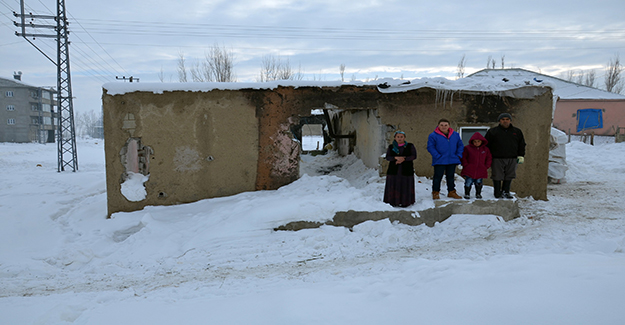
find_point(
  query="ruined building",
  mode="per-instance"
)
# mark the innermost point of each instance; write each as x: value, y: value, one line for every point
x: 188, y: 142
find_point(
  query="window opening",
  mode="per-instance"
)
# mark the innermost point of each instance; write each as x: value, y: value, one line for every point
x: 312, y: 132
x: 466, y: 132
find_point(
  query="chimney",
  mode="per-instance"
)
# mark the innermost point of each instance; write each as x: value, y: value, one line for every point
x: 17, y: 75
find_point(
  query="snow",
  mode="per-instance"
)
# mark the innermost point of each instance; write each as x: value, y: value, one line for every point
x: 481, y: 85
x: 133, y: 189
x: 562, y: 88
x: 313, y: 142
x: 114, y: 88
x: 218, y: 261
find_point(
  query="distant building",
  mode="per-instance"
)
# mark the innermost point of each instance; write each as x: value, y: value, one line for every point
x: 578, y: 109
x: 27, y: 113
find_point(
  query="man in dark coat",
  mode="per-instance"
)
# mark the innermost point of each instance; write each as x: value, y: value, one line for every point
x: 507, y: 146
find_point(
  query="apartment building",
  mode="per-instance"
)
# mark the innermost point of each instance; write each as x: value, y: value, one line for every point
x: 27, y: 113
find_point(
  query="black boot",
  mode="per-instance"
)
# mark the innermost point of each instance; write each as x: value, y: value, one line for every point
x: 467, y: 192
x: 497, y: 187
x: 478, y: 191
x: 506, y: 189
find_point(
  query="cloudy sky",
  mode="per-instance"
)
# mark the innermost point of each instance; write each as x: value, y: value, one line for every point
x: 372, y: 38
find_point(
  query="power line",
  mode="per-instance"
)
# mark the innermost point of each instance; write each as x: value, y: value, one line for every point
x: 252, y: 28
x: 359, y: 36
x: 103, y: 49
x: 77, y: 61
x: 85, y: 56
x: 589, y: 39
x: 83, y: 60
x: 346, y: 49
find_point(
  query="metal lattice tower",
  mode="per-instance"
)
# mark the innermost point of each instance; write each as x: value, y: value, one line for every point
x: 66, y: 132
x: 66, y: 139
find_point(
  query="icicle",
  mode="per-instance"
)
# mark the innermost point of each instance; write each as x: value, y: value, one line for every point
x: 442, y: 95
x: 451, y: 100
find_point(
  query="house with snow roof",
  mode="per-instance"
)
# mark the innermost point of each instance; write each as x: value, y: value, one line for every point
x: 578, y: 109
x: 183, y: 142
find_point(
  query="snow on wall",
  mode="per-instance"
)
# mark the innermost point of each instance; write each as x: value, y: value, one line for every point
x: 387, y: 85
x: 133, y: 189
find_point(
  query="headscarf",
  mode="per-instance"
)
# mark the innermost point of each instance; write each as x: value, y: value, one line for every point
x: 395, y: 144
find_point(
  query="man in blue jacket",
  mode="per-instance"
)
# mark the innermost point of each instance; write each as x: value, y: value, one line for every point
x: 446, y: 147
x: 507, y: 145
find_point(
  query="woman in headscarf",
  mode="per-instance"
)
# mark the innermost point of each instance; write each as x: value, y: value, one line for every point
x: 399, y: 190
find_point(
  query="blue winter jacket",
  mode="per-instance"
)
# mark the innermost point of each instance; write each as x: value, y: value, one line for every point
x: 445, y: 150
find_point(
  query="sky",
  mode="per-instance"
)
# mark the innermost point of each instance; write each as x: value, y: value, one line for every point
x: 373, y: 39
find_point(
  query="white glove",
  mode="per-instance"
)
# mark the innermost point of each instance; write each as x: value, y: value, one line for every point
x: 520, y: 160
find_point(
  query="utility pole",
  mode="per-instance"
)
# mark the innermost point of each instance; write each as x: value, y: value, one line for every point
x: 66, y: 132
x: 131, y: 78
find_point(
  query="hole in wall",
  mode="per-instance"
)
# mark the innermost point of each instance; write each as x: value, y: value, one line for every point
x: 135, y: 158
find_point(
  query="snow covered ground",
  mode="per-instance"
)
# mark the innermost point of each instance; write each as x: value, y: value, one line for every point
x: 218, y: 261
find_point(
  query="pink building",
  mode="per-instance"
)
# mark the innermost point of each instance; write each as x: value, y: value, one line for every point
x: 578, y: 116
x: 579, y: 109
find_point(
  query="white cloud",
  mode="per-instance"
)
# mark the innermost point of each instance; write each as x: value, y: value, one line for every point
x: 371, y: 37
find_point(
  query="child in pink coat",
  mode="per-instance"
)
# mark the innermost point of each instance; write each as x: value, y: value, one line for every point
x: 476, y: 160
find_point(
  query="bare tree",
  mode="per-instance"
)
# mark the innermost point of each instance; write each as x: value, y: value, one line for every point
x: 586, y: 78
x: 161, y: 75
x: 274, y: 68
x: 461, y: 64
x: 299, y: 75
x: 196, y: 72
x: 580, y: 77
x: 613, y: 82
x: 342, y: 71
x: 89, y: 124
x: 488, y: 61
x: 570, y: 75
x: 503, y: 59
x: 219, y: 65
x: 182, y: 70
x: 268, y: 68
x: 590, y: 78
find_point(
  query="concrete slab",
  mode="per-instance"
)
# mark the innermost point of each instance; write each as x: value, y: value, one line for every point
x: 507, y: 209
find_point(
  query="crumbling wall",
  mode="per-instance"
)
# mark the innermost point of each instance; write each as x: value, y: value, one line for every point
x: 192, y: 145
x: 197, y: 145
x: 278, y: 156
x: 369, y: 134
x: 416, y: 112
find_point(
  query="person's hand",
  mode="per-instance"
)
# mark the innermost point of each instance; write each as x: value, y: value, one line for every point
x: 399, y: 160
x: 520, y: 160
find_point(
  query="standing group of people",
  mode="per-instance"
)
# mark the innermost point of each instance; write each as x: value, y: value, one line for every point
x: 502, y: 149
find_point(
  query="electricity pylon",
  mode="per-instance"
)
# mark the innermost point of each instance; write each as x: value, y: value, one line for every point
x: 66, y: 132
